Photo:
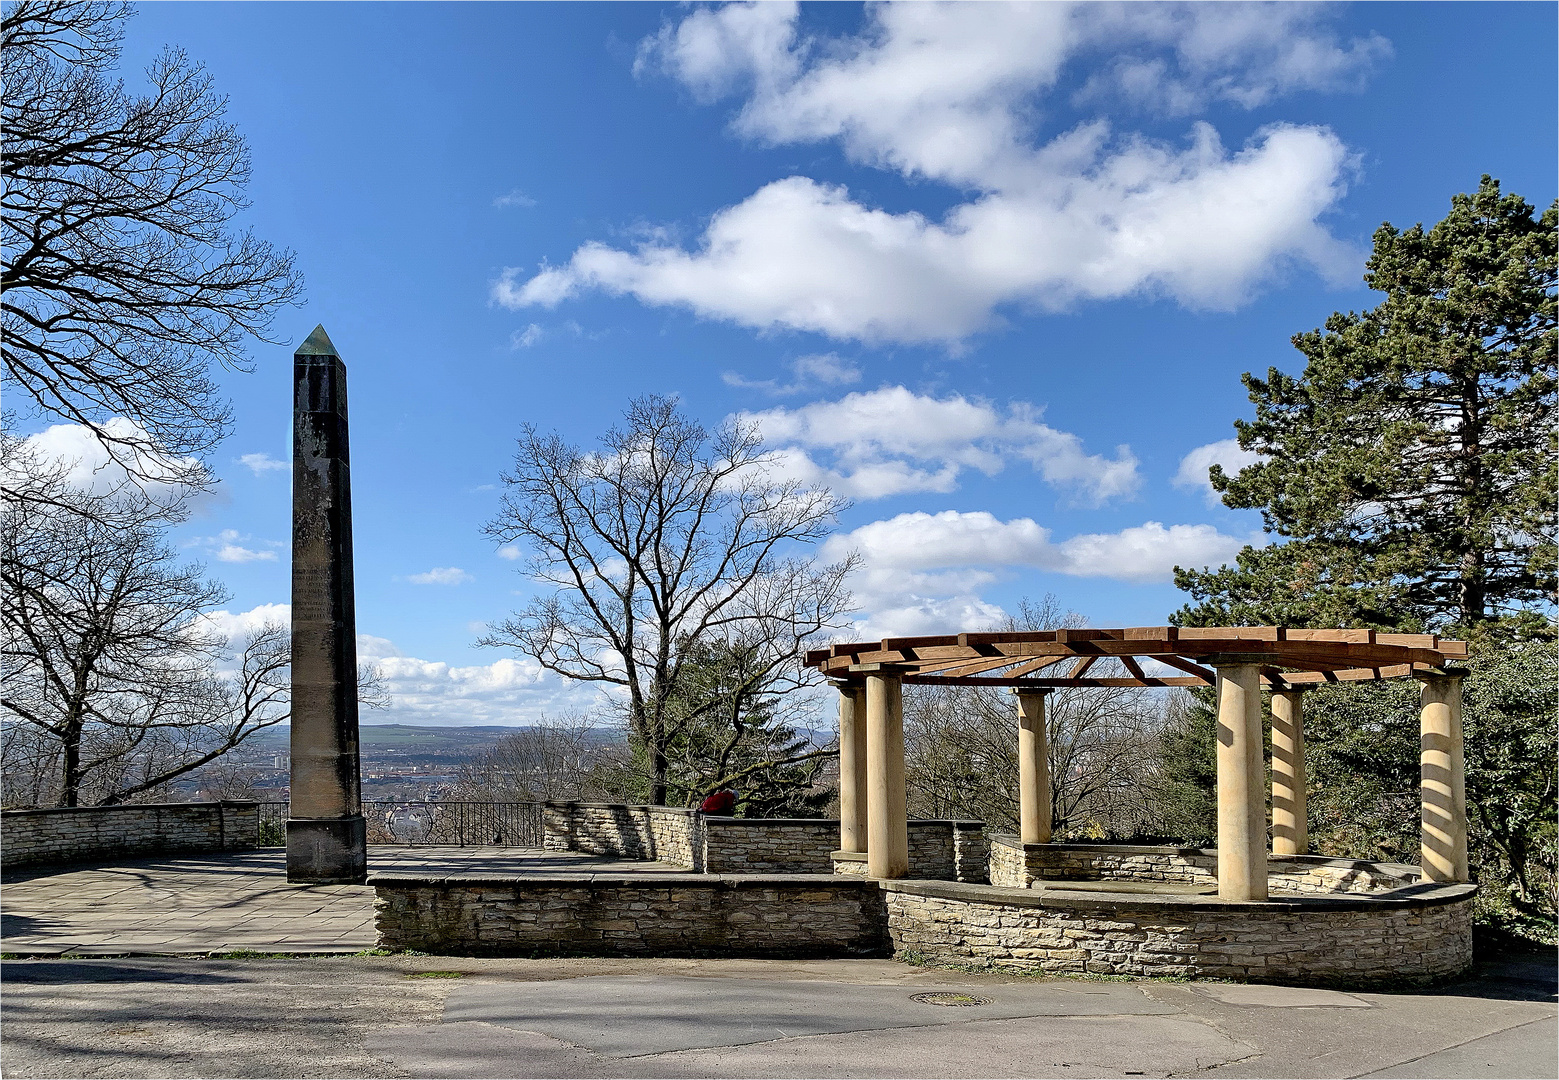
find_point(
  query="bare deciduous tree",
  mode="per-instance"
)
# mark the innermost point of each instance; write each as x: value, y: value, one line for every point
x: 961, y: 744
x: 115, y: 680
x: 555, y: 759
x: 666, y: 540
x: 122, y: 279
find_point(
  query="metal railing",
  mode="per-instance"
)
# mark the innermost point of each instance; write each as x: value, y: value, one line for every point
x: 399, y: 821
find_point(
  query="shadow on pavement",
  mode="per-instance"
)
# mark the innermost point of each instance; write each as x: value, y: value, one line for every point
x: 107, y: 971
x: 1511, y: 976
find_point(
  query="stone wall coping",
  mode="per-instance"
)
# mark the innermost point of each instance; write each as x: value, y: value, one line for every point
x: 847, y: 856
x: 647, y: 807
x: 237, y: 804
x: 719, y: 819
x: 1410, y: 896
x: 1008, y: 840
x: 618, y: 881
x: 956, y: 823
x: 1011, y: 841
x: 1401, y: 869
x: 1407, y: 896
x: 722, y: 819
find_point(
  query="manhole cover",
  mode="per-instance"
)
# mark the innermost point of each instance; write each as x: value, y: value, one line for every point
x: 949, y: 999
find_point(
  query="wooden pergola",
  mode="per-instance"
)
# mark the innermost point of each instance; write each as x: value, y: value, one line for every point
x: 1240, y: 661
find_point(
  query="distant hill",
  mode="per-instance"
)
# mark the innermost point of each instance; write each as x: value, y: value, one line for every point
x: 408, y: 738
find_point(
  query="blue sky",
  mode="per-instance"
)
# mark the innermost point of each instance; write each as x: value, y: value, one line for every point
x: 991, y: 271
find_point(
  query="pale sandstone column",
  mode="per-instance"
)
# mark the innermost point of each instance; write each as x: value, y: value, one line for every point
x: 1033, y: 767
x: 1442, y: 768
x: 852, y: 767
x: 887, y: 818
x: 1290, y: 823
x: 1242, y: 815
x: 326, y: 834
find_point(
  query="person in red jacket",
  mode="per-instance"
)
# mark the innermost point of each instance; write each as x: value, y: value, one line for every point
x: 722, y: 803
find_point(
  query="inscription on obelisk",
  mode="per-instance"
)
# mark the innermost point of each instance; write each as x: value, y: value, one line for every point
x: 326, y: 835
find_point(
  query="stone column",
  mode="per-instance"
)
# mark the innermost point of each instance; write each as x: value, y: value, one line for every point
x: 1290, y: 822
x: 1442, y: 780
x: 1033, y: 767
x: 887, y: 817
x: 326, y: 835
x: 1242, y: 815
x: 852, y: 767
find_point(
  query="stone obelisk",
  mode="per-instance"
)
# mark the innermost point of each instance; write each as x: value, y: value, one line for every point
x: 326, y: 835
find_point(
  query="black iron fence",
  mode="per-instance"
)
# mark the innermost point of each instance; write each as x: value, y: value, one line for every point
x: 466, y: 824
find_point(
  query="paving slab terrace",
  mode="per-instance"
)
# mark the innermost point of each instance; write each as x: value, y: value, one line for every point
x: 200, y: 904
x: 107, y: 1011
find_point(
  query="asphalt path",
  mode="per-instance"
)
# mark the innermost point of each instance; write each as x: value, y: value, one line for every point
x: 371, y: 1016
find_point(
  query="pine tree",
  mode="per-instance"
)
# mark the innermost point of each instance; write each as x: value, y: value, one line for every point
x: 1410, y: 470
x: 1188, y: 770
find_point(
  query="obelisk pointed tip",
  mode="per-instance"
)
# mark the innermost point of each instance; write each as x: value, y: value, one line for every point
x: 317, y: 344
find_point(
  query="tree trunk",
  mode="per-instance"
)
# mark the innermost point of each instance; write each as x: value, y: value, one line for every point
x: 658, y: 766
x: 1472, y: 598
x: 70, y: 778
x: 1472, y: 592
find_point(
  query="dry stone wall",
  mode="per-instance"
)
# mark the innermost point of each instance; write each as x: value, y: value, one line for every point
x: 938, y: 850
x: 1017, y: 865
x: 85, y: 833
x: 850, y: 863
x: 767, y: 915
x: 652, y: 833
x: 943, y: 850
x: 769, y: 845
x: 1413, y: 934
x: 1344, y: 940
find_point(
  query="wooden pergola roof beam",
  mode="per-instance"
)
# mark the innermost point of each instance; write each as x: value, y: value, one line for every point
x: 1318, y: 655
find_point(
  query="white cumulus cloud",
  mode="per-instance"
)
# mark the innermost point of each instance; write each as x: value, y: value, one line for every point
x: 950, y: 93
x: 260, y: 464
x: 441, y: 575
x: 234, y: 626
x: 891, y: 441
x: 228, y: 546
x: 1192, y: 473
x: 435, y: 692
x: 524, y: 339
x: 1177, y: 58
x: 922, y: 573
x: 809, y: 372
x: 89, y: 466
x: 514, y: 198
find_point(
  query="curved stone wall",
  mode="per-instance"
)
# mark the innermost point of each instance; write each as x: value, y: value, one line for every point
x: 1021, y: 866
x: 1412, y: 933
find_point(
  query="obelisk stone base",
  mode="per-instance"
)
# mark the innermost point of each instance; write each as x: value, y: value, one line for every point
x: 327, y: 851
